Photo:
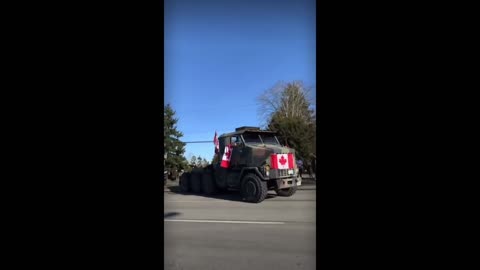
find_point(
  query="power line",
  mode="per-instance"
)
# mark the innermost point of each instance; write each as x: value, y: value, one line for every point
x: 212, y: 108
x: 199, y: 142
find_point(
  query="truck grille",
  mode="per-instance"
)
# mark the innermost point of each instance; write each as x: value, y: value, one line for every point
x: 279, y: 173
x: 282, y: 173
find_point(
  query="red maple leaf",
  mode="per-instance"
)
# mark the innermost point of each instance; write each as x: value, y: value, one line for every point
x: 228, y: 153
x: 283, y: 160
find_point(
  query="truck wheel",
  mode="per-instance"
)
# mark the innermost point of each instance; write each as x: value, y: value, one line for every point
x: 185, y: 182
x: 196, y: 182
x: 208, y: 183
x: 287, y: 192
x: 253, y: 189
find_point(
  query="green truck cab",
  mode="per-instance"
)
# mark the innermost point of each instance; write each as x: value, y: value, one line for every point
x: 257, y: 163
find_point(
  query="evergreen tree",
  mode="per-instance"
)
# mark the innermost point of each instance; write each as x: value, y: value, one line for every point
x: 174, y: 148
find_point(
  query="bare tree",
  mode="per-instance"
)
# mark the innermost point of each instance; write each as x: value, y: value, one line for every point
x: 289, y: 100
x: 199, y: 162
x: 288, y: 108
x: 204, y: 162
x: 193, y: 161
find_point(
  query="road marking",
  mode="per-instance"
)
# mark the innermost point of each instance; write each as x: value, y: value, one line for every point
x: 187, y: 201
x: 199, y: 201
x: 224, y: 221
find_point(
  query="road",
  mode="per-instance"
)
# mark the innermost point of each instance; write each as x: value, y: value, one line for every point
x: 224, y: 232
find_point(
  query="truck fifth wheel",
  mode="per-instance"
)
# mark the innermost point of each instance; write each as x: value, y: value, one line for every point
x: 258, y: 163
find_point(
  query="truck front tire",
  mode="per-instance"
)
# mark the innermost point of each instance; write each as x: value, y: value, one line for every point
x: 286, y: 192
x: 253, y: 189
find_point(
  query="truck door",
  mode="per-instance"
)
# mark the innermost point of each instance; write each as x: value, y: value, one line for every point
x: 221, y: 174
x: 237, y: 150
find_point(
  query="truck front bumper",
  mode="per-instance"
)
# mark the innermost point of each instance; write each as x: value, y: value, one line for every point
x: 289, y: 182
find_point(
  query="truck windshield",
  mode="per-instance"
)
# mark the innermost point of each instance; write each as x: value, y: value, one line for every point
x: 255, y: 138
x: 269, y: 139
x: 251, y: 138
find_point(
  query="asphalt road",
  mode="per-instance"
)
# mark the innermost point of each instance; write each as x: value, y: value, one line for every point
x: 224, y: 232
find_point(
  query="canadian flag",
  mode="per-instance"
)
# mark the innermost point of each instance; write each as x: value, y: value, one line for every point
x: 282, y: 161
x: 215, y: 141
x: 226, y: 157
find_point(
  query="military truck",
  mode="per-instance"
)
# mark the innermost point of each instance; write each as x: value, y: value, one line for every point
x: 257, y: 163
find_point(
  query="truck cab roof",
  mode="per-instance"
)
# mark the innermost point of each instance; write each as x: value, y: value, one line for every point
x: 242, y: 130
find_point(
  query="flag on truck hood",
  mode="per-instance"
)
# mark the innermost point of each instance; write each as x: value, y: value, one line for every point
x: 215, y: 141
x: 282, y: 161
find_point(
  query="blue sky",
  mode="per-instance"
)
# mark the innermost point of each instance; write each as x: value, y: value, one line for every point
x: 221, y: 55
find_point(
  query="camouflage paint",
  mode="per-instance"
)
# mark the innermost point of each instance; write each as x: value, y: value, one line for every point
x: 251, y: 155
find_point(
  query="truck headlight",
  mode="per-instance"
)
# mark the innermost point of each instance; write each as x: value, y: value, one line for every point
x: 267, y: 170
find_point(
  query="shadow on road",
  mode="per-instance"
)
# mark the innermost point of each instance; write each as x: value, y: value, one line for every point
x: 224, y: 195
x: 170, y: 214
